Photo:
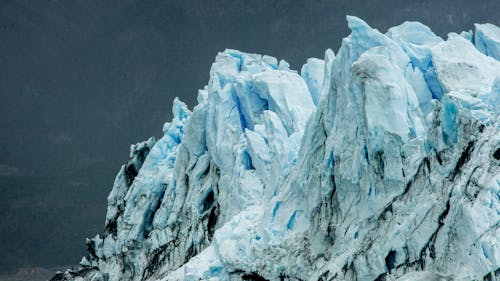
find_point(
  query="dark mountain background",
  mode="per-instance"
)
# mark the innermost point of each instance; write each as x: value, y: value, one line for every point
x: 81, y: 80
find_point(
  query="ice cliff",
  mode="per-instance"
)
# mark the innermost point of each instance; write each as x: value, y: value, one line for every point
x: 380, y: 162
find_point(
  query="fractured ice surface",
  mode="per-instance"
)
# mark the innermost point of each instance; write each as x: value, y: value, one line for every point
x: 381, y: 162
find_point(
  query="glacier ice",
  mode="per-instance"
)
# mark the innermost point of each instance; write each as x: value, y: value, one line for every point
x: 380, y: 162
x: 487, y: 39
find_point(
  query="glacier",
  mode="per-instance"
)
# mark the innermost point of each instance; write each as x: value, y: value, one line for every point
x: 379, y: 162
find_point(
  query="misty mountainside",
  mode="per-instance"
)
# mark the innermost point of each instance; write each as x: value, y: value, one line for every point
x: 379, y: 162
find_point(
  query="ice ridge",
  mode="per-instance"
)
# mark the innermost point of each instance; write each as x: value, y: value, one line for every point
x: 380, y: 162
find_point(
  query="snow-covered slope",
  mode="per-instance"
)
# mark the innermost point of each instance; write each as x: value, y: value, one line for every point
x: 379, y: 163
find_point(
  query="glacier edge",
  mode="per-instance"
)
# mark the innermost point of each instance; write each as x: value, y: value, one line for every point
x: 379, y: 162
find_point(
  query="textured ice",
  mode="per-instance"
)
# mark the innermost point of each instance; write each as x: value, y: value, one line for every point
x: 381, y: 162
x: 487, y: 39
x: 313, y: 73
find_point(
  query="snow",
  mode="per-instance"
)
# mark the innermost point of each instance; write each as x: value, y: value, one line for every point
x: 376, y: 162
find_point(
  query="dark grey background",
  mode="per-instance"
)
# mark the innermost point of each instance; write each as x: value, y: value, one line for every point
x: 82, y: 80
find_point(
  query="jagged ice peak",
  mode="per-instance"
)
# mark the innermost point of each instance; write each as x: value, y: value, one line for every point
x: 381, y: 162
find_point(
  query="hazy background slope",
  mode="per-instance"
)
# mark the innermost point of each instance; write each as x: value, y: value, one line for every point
x: 82, y: 80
